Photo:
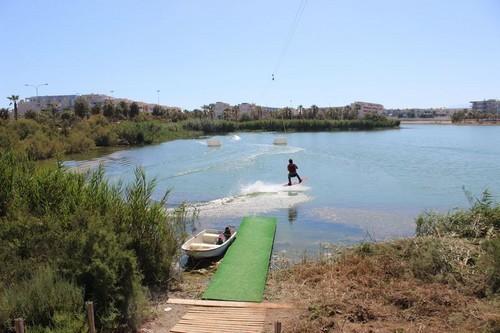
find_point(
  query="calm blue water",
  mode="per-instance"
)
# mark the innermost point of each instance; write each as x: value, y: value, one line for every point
x: 359, y: 185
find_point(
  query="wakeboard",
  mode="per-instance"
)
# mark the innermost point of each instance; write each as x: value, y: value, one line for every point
x: 296, y: 182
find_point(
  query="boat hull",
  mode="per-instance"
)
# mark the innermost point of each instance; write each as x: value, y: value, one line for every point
x: 202, y: 250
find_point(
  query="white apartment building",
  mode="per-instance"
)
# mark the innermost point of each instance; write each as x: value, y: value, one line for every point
x: 219, y: 108
x: 246, y: 108
x: 486, y: 106
x: 365, y: 107
x: 61, y: 102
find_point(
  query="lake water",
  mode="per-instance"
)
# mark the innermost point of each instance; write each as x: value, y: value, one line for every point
x: 359, y: 185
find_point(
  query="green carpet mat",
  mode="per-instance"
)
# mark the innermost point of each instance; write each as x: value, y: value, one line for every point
x: 242, y: 274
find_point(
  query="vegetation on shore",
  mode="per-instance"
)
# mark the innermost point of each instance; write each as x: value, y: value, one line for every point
x: 52, y: 132
x: 446, y: 279
x: 44, y: 135
x: 470, y: 115
x: 67, y: 238
x: 294, y: 125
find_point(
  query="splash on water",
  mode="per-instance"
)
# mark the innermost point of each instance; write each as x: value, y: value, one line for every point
x: 256, y: 198
x: 262, y: 187
x: 236, y: 137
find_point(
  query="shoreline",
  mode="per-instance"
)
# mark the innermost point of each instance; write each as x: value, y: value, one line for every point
x: 447, y: 122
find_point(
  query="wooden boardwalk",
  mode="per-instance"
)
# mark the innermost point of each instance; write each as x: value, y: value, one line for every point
x: 218, y: 319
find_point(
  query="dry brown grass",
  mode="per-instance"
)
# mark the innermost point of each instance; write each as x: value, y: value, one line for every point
x: 375, y: 289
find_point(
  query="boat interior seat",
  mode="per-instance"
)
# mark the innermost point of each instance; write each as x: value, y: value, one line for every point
x: 210, y: 238
x: 202, y: 246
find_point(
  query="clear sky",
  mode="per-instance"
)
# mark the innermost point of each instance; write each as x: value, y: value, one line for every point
x: 401, y: 53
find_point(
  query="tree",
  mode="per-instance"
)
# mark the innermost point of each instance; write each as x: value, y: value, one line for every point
x: 96, y: 109
x: 313, y: 112
x: 108, y: 110
x: 13, y: 100
x: 81, y: 107
x: 4, y: 113
x: 122, y: 109
x: 157, y: 111
x: 287, y: 113
x: 458, y: 117
x: 258, y: 111
x: 301, y: 111
x: 134, y: 110
x: 235, y: 113
x: 227, y: 114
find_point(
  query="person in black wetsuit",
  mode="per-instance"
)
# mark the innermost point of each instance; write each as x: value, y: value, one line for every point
x: 292, y: 172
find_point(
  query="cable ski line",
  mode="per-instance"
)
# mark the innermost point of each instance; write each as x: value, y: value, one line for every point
x: 290, y: 35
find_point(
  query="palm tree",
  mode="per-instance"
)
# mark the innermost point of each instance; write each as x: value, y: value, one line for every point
x: 14, y: 99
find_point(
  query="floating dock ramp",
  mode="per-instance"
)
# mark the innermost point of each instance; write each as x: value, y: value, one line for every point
x: 243, y: 272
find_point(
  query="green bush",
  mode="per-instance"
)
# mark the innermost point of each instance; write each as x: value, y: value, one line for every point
x: 306, y: 125
x: 40, y: 146
x: 105, y: 137
x: 47, y: 302
x: 111, y: 241
x: 492, y: 263
x: 78, y: 142
x: 25, y: 128
x: 480, y: 221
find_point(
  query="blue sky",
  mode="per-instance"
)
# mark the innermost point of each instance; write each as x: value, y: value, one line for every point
x: 399, y: 53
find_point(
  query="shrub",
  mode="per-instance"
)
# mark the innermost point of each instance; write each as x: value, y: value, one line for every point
x: 105, y: 136
x: 40, y: 146
x: 45, y: 300
x: 481, y: 220
x: 492, y: 263
x: 109, y: 241
x: 78, y: 142
x: 25, y: 128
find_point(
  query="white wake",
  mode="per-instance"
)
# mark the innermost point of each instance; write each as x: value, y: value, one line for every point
x: 256, y: 198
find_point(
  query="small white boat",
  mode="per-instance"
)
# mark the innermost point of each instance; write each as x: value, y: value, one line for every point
x: 204, y: 244
x: 213, y: 143
x: 280, y: 141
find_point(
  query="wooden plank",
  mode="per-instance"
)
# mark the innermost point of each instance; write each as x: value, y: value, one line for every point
x: 187, y: 329
x: 219, y: 323
x: 215, y: 330
x: 207, y: 319
x: 199, y: 302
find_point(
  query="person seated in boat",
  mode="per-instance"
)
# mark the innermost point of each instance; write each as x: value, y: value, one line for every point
x: 292, y: 172
x: 227, y: 233
x: 220, y: 239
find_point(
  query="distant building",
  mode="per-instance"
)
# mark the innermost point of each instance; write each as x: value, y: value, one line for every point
x: 486, y: 106
x: 62, y: 102
x: 267, y: 111
x: 365, y: 107
x: 219, y: 108
x: 246, y: 108
x: 44, y: 102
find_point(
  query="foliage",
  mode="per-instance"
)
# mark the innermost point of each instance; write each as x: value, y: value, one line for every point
x: 482, y: 220
x: 134, y: 110
x: 111, y: 242
x: 4, y: 113
x: 223, y: 126
x: 51, y: 134
x: 492, y: 263
x: 13, y: 100
x: 81, y: 107
x: 78, y: 142
x: 47, y: 301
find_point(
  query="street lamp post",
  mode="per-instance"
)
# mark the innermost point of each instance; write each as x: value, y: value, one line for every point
x: 36, y: 86
x: 158, y: 95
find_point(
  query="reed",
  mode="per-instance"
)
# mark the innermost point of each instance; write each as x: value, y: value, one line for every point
x: 115, y: 243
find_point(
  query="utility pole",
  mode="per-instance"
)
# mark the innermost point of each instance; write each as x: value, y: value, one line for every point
x: 158, y: 95
x: 36, y: 86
